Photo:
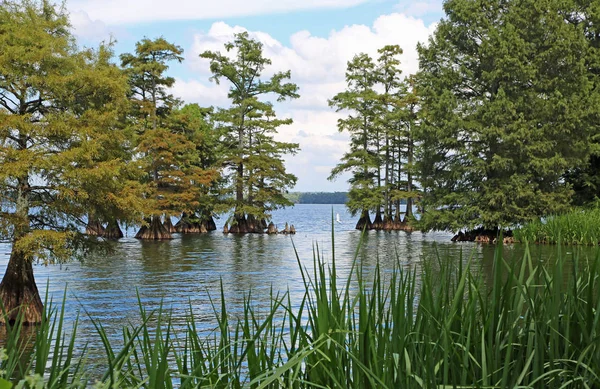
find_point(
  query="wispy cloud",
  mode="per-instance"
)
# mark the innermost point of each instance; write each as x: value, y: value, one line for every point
x: 132, y: 11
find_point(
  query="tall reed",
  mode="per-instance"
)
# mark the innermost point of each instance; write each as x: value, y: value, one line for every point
x: 530, y: 326
x: 578, y: 227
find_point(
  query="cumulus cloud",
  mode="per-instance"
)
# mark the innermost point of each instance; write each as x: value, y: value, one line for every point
x: 318, y: 66
x: 420, y: 8
x: 131, y: 11
x: 87, y: 29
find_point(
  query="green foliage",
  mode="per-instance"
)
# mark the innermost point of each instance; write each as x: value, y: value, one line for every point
x: 254, y: 159
x: 509, y: 103
x: 380, y: 125
x: 62, y: 150
x: 178, y: 175
x: 532, y: 324
x: 576, y: 227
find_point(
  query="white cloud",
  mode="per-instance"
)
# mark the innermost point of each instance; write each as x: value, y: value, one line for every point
x: 87, y: 29
x: 131, y: 11
x: 318, y: 66
x: 420, y: 8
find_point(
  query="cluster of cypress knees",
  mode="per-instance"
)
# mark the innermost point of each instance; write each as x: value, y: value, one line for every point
x: 386, y: 223
x: 157, y: 228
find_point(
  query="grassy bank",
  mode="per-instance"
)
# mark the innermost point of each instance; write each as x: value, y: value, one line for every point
x: 531, y: 326
x: 578, y: 227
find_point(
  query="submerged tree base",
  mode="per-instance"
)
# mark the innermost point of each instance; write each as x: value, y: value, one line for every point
x: 19, y: 294
x: 482, y: 235
x: 155, y: 230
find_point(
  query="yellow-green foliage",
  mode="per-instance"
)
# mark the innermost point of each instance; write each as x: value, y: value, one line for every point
x: 62, y: 148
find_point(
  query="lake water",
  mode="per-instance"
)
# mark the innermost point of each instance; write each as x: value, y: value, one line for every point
x: 183, y: 272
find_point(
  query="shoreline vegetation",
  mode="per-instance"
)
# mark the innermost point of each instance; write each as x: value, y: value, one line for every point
x: 531, y: 324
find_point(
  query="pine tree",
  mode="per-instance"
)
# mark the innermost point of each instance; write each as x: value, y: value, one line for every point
x: 59, y: 114
x: 506, y: 106
x: 255, y: 168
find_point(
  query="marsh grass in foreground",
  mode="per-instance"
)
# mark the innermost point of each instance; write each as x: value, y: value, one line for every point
x: 531, y: 326
x: 578, y: 227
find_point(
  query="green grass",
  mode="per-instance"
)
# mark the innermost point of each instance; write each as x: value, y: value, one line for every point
x: 578, y: 227
x: 531, y: 326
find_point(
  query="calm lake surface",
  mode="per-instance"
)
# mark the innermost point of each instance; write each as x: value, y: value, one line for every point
x: 183, y: 272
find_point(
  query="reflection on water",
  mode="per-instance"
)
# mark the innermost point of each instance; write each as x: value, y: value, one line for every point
x: 184, y: 272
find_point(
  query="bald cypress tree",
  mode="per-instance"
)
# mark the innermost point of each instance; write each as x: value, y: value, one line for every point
x: 253, y: 158
x: 59, y: 113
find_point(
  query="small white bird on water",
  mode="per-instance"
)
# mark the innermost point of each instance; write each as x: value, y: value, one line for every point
x: 337, y: 218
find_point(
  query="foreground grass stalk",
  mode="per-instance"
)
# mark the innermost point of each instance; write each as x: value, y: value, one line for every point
x: 534, y: 325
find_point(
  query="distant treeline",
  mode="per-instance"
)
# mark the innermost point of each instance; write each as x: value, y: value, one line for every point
x: 318, y: 197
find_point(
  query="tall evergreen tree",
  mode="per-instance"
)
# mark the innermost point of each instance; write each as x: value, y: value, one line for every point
x: 256, y: 172
x: 175, y: 180
x: 586, y: 179
x: 360, y: 98
x: 59, y: 111
x: 507, y: 105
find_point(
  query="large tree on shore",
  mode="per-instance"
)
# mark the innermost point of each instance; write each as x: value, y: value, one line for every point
x: 59, y: 113
x: 253, y: 158
x: 507, y: 107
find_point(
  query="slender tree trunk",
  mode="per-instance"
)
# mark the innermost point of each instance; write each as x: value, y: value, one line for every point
x: 409, y: 185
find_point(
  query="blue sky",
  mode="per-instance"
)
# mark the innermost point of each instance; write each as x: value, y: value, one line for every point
x: 312, y: 38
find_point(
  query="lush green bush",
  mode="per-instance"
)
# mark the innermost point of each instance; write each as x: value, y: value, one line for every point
x: 535, y: 324
x: 578, y: 227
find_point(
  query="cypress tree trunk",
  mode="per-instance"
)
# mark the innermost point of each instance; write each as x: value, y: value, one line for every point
x: 155, y: 230
x: 18, y: 292
x: 94, y: 227
x: 112, y: 231
x: 210, y: 224
x: 169, y: 224
x: 378, y: 222
x: 364, y: 221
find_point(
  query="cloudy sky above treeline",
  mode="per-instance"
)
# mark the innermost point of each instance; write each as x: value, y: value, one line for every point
x: 312, y: 38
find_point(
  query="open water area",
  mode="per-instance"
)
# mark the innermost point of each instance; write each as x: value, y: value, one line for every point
x: 185, y: 273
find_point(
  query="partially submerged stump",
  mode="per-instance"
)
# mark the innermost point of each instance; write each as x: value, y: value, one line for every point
x: 292, y: 229
x: 271, y: 229
x: 112, y: 231
x: 154, y: 230
x: 286, y: 230
x: 225, y: 229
